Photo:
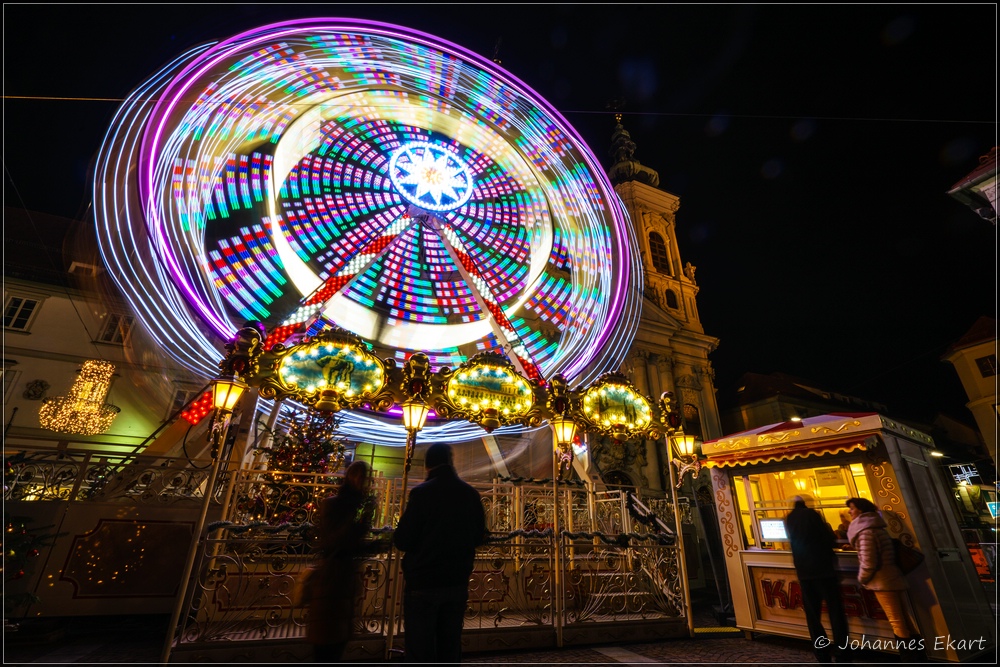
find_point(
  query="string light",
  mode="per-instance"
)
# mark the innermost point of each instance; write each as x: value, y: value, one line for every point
x: 83, y: 411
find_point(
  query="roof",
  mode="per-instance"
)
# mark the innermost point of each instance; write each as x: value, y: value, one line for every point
x: 987, y: 167
x: 985, y: 329
x: 831, y: 433
x: 755, y: 387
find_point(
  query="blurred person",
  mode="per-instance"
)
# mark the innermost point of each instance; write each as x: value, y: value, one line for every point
x: 813, y: 540
x: 439, y: 531
x: 344, y: 521
x: 879, y: 573
x: 845, y: 522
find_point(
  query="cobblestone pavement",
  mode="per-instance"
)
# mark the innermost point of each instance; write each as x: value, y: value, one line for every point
x: 139, y: 640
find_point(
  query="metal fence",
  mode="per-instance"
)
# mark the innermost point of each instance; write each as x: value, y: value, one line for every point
x: 560, y: 561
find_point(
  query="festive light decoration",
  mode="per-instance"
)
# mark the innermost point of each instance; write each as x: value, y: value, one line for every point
x: 310, y: 452
x: 344, y: 171
x: 21, y: 545
x: 84, y: 411
x: 199, y: 408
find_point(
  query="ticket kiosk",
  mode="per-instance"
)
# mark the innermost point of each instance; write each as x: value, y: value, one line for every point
x: 828, y: 459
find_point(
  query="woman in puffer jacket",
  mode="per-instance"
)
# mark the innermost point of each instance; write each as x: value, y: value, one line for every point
x: 879, y: 573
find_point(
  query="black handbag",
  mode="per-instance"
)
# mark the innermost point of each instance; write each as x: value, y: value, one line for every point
x: 907, y: 558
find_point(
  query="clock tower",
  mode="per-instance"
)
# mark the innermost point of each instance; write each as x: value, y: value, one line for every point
x: 670, y: 350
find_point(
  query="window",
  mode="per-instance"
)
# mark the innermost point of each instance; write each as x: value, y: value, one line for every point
x: 117, y: 329
x: 766, y: 497
x: 692, y: 420
x: 181, y: 398
x: 658, y: 253
x: 671, y: 298
x: 9, y: 377
x: 17, y: 313
x: 987, y: 365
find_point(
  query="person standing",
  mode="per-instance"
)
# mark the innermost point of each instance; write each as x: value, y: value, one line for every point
x: 878, y: 572
x: 439, y: 531
x: 344, y: 521
x: 812, y: 541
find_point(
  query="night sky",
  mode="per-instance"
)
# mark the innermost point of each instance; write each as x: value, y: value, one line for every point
x: 811, y: 146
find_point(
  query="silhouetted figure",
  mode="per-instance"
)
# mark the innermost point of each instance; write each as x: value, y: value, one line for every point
x: 439, y: 531
x: 344, y: 521
x: 812, y: 541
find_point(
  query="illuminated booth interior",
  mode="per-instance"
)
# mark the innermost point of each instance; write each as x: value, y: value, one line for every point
x: 756, y: 475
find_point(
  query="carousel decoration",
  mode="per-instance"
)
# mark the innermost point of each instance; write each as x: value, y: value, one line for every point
x: 327, y: 173
x: 487, y: 390
x: 332, y: 371
x: 611, y: 406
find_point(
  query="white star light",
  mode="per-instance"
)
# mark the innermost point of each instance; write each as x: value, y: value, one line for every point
x: 430, y: 176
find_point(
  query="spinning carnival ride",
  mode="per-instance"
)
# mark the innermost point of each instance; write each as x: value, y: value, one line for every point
x: 342, y: 172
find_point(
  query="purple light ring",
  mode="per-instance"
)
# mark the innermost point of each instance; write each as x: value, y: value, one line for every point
x: 210, y: 58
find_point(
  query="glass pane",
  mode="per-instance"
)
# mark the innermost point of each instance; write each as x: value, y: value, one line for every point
x: 740, y: 496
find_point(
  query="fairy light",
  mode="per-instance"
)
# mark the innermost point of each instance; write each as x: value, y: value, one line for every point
x: 198, y: 243
x: 83, y: 411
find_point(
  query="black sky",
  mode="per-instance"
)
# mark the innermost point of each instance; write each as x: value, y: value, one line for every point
x: 811, y: 146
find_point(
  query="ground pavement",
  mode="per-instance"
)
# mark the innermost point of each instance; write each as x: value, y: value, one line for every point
x: 139, y: 640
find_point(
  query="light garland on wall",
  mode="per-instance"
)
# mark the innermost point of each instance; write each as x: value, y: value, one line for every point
x: 83, y: 411
x: 287, y: 192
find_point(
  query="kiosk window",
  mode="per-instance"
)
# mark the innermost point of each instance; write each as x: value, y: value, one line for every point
x: 743, y: 508
x: 764, y: 499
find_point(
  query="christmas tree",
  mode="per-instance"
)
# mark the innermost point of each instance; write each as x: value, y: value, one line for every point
x: 308, y: 454
x: 21, y: 545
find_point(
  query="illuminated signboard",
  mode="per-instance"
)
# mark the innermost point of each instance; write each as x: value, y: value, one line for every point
x: 994, y: 508
x: 332, y: 371
x: 486, y: 387
x: 613, y: 407
x: 348, y: 370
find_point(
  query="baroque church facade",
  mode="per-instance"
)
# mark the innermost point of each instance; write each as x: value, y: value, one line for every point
x: 670, y: 351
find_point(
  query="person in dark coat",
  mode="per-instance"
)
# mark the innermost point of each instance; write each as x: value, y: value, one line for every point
x: 813, y: 540
x: 439, y: 531
x: 344, y: 521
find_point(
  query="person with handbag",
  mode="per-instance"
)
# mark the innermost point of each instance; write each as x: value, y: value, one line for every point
x: 879, y: 573
x: 344, y: 522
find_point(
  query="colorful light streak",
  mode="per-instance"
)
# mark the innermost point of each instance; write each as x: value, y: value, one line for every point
x: 270, y: 197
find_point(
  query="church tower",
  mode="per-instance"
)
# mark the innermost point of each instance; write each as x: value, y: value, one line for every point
x: 670, y: 350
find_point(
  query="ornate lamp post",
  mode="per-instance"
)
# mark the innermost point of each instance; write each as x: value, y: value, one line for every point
x: 414, y: 416
x: 681, y: 454
x: 226, y: 391
x: 564, y: 430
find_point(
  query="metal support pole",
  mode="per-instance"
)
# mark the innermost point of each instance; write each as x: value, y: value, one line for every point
x: 557, y: 574
x: 682, y: 561
x: 197, y: 539
x: 394, y: 557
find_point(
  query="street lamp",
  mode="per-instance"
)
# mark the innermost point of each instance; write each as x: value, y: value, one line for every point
x: 681, y: 453
x: 414, y: 416
x: 226, y: 393
x: 687, y: 460
x: 564, y: 430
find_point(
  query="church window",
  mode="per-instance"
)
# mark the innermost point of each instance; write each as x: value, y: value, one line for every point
x: 658, y: 253
x: 671, y: 298
x: 692, y: 420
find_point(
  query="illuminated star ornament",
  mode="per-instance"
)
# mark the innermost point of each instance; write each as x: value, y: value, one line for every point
x: 341, y: 172
x: 430, y: 176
